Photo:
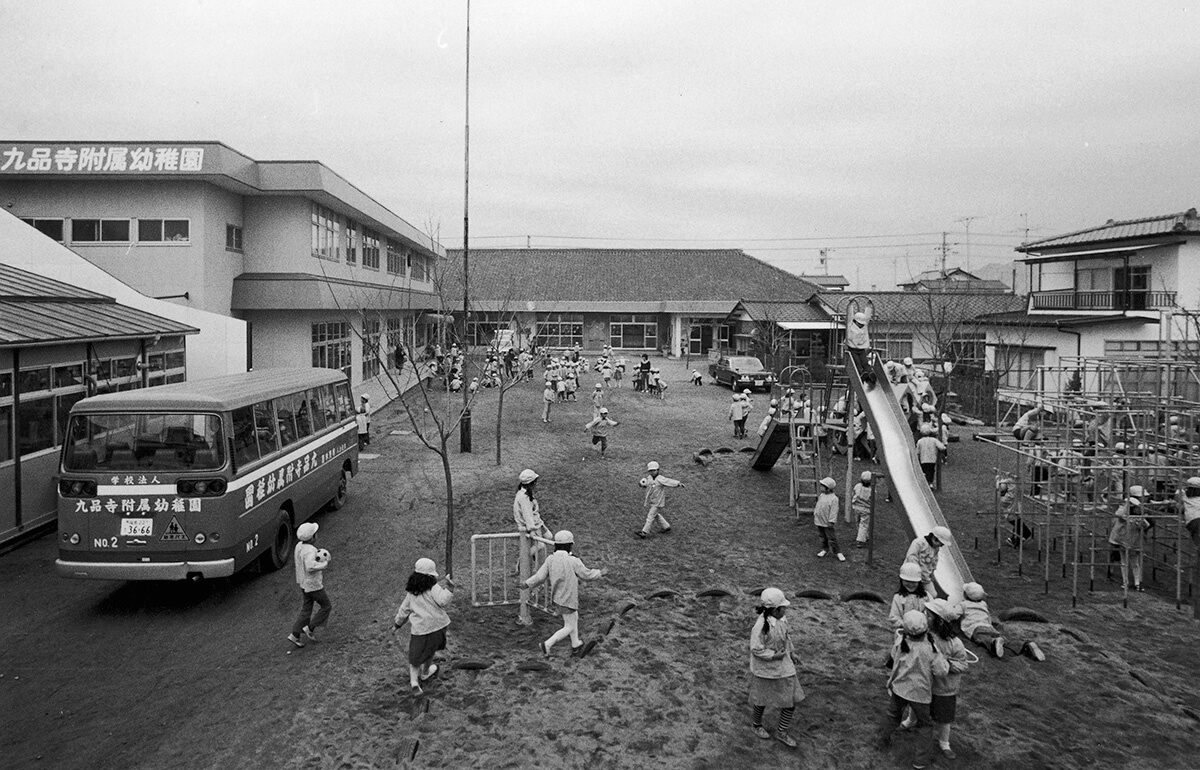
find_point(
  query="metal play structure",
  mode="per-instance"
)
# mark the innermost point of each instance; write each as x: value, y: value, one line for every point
x: 1102, y: 426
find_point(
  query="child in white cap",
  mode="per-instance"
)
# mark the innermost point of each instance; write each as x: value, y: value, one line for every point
x: 924, y: 552
x: 599, y: 426
x: 738, y: 411
x: 696, y: 378
x: 1127, y: 536
x: 773, y: 682
x: 858, y: 344
x: 1189, y: 508
x: 425, y: 603
x: 656, y: 499
x: 597, y: 400
x: 929, y: 450
x: 825, y: 513
x: 549, y: 394
x: 310, y: 576
x: 363, y: 418
x: 526, y: 513
x: 766, y: 422
x: 909, y: 596
x: 977, y: 626
x: 861, y: 506
x: 915, y: 661
x: 943, y: 620
x: 564, y: 570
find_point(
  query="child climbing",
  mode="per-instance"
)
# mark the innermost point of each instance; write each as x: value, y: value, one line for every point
x: 1127, y: 536
x: 656, y: 499
x: 564, y: 571
x: 858, y: 345
x: 915, y: 661
x: 425, y: 603
x: 825, y: 513
x: 977, y: 626
x: 773, y: 682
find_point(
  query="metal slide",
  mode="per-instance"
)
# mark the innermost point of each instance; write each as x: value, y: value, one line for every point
x: 770, y: 446
x: 895, y: 440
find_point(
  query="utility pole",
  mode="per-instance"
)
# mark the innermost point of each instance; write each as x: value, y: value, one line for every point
x: 464, y: 432
x: 944, y: 249
x: 823, y: 261
x: 966, y: 222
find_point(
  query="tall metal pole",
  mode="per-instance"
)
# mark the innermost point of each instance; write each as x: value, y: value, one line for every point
x: 464, y: 430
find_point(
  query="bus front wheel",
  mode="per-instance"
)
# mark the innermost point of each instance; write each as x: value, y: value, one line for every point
x: 280, y: 550
x: 342, y: 494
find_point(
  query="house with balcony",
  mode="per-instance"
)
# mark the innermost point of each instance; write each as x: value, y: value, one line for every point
x: 1121, y: 289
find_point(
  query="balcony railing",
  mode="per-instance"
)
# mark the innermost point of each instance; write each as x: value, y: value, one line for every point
x: 1069, y: 299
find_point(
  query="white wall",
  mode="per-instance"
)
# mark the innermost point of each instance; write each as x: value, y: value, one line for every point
x: 219, y: 348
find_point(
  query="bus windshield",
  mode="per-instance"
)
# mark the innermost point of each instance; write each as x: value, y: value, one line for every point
x: 144, y: 442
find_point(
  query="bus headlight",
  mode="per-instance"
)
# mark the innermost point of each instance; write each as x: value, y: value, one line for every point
x: 74, y: 538
x: 214, y: 536
x: 77, y: 488
x: 200, y: 538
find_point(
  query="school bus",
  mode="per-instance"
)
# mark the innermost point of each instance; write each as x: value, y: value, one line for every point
x: 200, y: 479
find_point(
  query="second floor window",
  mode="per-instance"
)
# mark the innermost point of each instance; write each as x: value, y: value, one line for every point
x: 326, y: 233
x: 164, y: 231
x: 233, y: 237
x: 100, y: 230
x: 370, y: 249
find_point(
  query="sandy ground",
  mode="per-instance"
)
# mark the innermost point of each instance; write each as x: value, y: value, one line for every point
x: 666, y: 682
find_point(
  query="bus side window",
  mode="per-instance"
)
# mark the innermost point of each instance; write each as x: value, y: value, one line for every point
x: 245, y: 441
x: 329, y: 401
x: 316, y: 409
x: 344, y: 402
x: 264, y: 428
x: 287, y: 421
x: 302, y: 414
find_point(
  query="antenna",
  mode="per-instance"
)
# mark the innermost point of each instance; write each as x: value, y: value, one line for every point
x: 823, y: 261
x: 966, y: 222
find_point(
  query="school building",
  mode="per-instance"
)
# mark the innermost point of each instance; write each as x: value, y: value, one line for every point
x: 673, y: 302
x: 321, y: 272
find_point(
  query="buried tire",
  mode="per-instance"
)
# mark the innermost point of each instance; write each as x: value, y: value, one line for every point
x: 279, y: 552
x: 342, y: 494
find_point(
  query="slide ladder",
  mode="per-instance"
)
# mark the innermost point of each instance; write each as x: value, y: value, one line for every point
x: 896, y: 441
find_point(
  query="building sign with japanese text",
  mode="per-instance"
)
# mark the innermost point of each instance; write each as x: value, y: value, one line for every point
x: 27, y: 158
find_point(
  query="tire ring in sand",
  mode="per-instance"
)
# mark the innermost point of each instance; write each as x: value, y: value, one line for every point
x: 710, y: 592
x: 626, y: 607
x: 813, y: 593
x: 534, y: 665
x: 724, y: 450
x: 472, y: 664
x: 1023, y: 614
x: 864, y: 596
x: 662, y: 593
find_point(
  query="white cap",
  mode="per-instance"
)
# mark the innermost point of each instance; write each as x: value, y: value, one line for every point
x: 943, y: 534
x: 865, y: 477
x: 860, y: 318
x: 1193, y: 482
x: 1137, y: 491
x: 910, y: 571
x: 604, y: 410
x: 828, y: 482
x: 564, y: 536
x: 651, y: 466
x: 527, y: 476
x: 746, y: 391
x: 599, y: 386
x: 426, y: 567
x: 306, y: 531
x: 944, y: 609
x: 365, y: 397
x: 915, y: 623
x: 908, y: 361
x: 773, y: 597
x: 974, y: 592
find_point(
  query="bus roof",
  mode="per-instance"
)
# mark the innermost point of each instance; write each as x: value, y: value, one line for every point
x: 215, y: 394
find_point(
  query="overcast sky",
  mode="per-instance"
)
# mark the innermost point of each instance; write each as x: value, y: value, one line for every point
x: 778, y: 127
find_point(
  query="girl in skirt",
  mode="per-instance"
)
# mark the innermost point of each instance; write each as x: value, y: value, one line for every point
x: 910, y: 686
x: 773, y: 682
x: 425, y: 600
x: 943, y: 620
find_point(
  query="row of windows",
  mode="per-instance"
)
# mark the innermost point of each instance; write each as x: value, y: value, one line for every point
x: 370, y: 348
x: 269, y: 426
x: 335, y: 237
x: 49, y: 392
x: 633, y: 331
x: 331, y: 346
x: 115, y: 230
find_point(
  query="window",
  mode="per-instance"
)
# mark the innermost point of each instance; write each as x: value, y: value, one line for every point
x: 265, y: 428
x: 1016, y: 365
x: 100, y: 230
x: 326, y: 233
x: 316, y: 402
x: 245, y: 438
x: 1093, y: 279
x: 370, y: 348
x: 968, y: 346
x: 331, y: 346
x: 353, y: 242
x: 370, y: 249
x: 6, y: 452
x: 1132, y: 285
x: 164, y: 231
x: 560, y: 331
x: 633, y: 331
x: 35, y: 425
x: 395, y: 258
x: 51, y: 228
x: 482, y: 328
x: 895, y: 345
x: 233, y: 238
x: 417, y: 264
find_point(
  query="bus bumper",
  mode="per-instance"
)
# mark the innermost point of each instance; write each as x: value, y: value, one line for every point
x: 163, y: 570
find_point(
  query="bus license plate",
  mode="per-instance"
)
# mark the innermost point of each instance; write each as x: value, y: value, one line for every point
x: 137, y: 527
x: 758, y: 383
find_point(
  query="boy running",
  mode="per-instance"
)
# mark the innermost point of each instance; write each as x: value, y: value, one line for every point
x: 656, y: 499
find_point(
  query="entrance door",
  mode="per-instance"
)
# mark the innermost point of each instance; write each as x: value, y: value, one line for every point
x: 701, y: 339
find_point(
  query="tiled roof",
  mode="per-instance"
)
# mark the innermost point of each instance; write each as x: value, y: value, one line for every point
x: 915, y: 306
x: 647, y: 276
x: 827, y: 280
x: 1183, y: 223
x: 958, y: 285
x: 37, y: 310
x: 784, y: 312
